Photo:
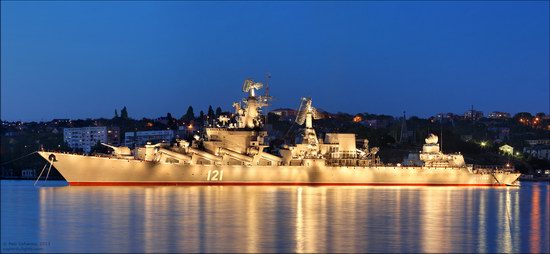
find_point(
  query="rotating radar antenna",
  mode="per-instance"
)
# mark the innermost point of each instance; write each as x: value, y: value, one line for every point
x: 306, y: 113
x: 249, y: 86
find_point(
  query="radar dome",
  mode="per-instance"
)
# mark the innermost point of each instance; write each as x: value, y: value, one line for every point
x: 431, y: 139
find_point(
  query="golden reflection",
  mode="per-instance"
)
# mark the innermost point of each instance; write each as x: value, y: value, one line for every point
x: 433, y: 223
x: 506, y: 218
x: 301, y: 219
x: 482, y: 226
x: 44, y: 195
x: 252, y: 224
x: 148, y: 220
x: 299, y: 222
x: 398, y: 215
x: 535, y: 221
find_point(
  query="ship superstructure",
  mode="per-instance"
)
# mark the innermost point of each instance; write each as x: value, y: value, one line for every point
x: 232, y: 151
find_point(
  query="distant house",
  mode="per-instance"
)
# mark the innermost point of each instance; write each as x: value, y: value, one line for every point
x: 445, y: 117
x: 498, y: 115
x: 140, y: 138
x: 533, y: 142
x: 61, y: 121
x: 163, y: 120
x: 502, y: 133
x: 287, y: 114
x: 539, y: 151
x: 466, y: 138
x: 12, y: 133
x: 473, y: 115
x: 506, y: 149
x: 377, y: 123
x: 283, y: 112
x: 28, y: 173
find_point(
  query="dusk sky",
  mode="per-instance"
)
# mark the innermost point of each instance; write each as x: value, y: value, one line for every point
x: 86, y: 59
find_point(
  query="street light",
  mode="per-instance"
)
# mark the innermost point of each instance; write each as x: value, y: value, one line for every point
x: 483, y: 143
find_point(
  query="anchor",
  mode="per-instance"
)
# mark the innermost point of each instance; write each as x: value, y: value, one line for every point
x: 51, y: 160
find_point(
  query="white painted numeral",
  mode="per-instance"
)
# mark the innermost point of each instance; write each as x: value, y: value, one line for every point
x: 214, y: 175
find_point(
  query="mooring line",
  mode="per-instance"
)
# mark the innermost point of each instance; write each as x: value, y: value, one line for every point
x: 40, y: 173
x: 51, y: 164
x: 4, y: 163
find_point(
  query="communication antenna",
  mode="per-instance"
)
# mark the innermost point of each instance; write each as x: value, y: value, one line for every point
x: 441, y: 135
x: 403, y: 128
x: 267, y: 97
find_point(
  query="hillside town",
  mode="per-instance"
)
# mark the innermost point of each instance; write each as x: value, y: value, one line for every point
x: 521, y: 140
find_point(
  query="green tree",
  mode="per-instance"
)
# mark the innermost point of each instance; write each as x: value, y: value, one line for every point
x: 116, y: 114
x: 189, y: 115
x: 171, y: 121
x: 523, y: 115
x: 218, y: 111
x: 124, y: 113
x: 210, y: 112
x: 201, y: 115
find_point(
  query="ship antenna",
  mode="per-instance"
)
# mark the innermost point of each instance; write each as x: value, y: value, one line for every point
x: 403, y: 128
x: 267, y: 98
x: 441, y: 135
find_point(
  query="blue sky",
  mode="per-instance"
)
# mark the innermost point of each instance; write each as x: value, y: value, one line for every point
x: 86, y: 59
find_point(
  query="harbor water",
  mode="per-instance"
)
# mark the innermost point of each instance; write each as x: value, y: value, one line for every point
x: 54, y: 217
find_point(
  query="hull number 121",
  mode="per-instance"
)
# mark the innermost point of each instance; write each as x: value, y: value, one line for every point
x: 214, y: 175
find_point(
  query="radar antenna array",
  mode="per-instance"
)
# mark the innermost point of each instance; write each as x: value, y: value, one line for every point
x: 249, y: 86
x: 304, y: 109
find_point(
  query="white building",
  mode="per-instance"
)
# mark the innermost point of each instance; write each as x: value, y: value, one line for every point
x: 28, y: 173
x: 534, y: 142
x: 87, y: 137
x: 499, y: 115
x: 473, y: 115
x: 539, y: 151
x: 140, y: 138
x: 506, y: 149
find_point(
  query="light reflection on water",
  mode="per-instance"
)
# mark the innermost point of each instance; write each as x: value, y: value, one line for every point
x: 277, y: 219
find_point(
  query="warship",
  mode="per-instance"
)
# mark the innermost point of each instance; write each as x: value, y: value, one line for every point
x: 232, y: 152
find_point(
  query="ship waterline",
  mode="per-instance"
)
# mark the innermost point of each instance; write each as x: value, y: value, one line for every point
x: 92, y: 170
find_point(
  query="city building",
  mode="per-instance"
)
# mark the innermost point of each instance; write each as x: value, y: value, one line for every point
x: 539, y: 151
x: 28, y: 173
x: 533, y: 142
x: 163, y: 120
x: 140, y: 138
x: 498, y: 115
x: 61, y: 121
x: 501, y: 133
x: 377, y: 123
x: 87, y: 137
x: 284, y: 112
x: 473, y: 114
x: 448, y: 116
x: 466, y: 138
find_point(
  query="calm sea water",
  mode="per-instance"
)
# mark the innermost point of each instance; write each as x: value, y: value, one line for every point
x: 59, y: 218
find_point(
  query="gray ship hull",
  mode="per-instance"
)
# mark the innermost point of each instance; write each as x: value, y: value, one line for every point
x: 91, y: 170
